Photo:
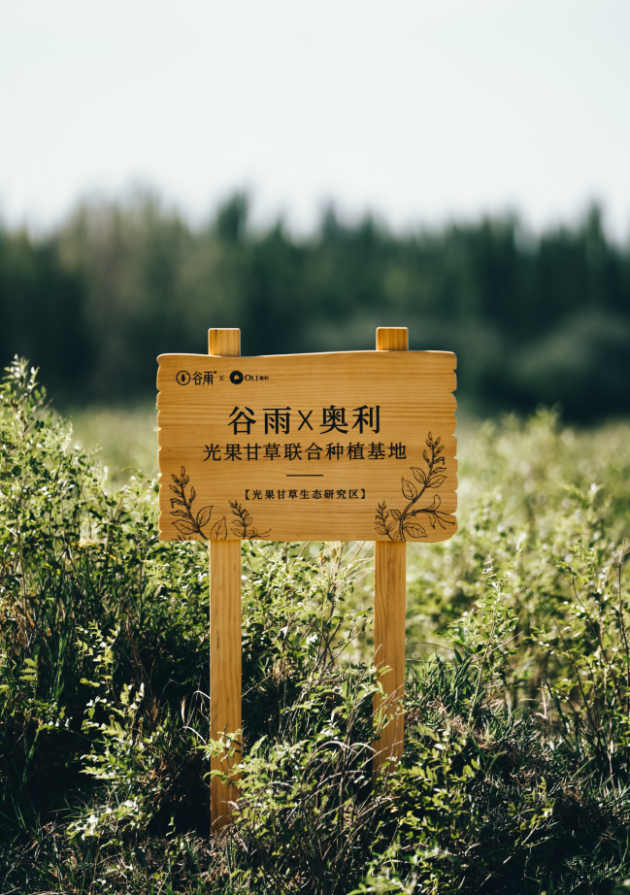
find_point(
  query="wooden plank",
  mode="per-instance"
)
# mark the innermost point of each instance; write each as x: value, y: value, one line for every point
x: 238, y: 431
x: 225, y: 637
x: 225, y: 666
x: 390, y: 567
x: 390, y: 596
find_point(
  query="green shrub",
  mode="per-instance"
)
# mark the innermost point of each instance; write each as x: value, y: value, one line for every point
x: 515, y: 773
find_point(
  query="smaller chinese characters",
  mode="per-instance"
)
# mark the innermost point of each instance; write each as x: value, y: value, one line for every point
x: 203, y: 378
x: 295, y: 451
x: 305, y: 494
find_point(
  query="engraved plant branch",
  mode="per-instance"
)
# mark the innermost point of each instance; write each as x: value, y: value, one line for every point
x: 399, y: 525
x: 242, y: 525
x: 187, y: 523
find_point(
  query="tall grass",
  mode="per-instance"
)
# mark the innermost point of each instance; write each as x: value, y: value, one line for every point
x: 515, y: 774
x: 124, y: 437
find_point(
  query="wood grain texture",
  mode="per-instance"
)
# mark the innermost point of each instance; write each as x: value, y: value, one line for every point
x: 390, y: 590
x: 392, y: 338
x: 390, y: 605
x: 225, y: 668
x: 224, y: 342
x: 225, y: 640
x: 248, y: 491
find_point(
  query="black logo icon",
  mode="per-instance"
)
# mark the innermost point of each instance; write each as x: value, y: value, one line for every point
x: 183, y: 377
x: 235, y: 376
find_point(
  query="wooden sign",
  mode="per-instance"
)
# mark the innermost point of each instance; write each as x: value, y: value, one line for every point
x: 340, y: 446
x: 347, y: 446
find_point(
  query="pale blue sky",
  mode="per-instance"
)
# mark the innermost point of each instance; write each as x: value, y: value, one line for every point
x: 419, y: 111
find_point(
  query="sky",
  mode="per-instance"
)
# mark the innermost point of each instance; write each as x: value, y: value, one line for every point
x: 418, y: 112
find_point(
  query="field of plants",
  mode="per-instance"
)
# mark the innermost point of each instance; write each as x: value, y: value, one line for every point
x: 516, y: 771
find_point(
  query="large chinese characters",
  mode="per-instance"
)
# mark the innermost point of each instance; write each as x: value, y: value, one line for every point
x: 277, y: 421
x: 346, y: 446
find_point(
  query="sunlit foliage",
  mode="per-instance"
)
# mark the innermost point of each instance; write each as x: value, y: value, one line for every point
x: 515, y: 775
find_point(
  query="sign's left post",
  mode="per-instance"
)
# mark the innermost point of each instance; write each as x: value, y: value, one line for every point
x: 225, y: 638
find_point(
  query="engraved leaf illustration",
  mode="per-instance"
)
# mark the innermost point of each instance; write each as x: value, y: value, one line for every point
x: 219, y: 530
x: 398, y: 525
x: 203, y: 516
x: 241, y: 526
x: 193, y: 494
x: 415, y: 530
x: 419, y: 475
x: 409, y: 489
x: 184, y: 527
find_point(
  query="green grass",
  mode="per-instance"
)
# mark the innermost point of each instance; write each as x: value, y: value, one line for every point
x: 515, y: 776
x: 125, y: 438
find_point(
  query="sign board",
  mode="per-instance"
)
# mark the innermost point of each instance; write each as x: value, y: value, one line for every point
x: 336, y: 446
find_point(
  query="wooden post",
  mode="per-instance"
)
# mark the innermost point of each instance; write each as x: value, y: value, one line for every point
x: 225, y: 632
x: 390, y: 594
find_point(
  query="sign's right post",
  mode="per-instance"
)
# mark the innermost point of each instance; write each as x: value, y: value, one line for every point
x: 390, y: 601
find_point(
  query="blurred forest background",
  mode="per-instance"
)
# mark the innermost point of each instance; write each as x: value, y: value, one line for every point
x: 534, y: 318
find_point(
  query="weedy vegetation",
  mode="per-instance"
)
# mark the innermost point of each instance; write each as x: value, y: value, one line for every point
x: 515, y: 776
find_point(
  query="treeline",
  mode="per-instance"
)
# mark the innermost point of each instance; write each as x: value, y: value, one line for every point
x: 532, y: 319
